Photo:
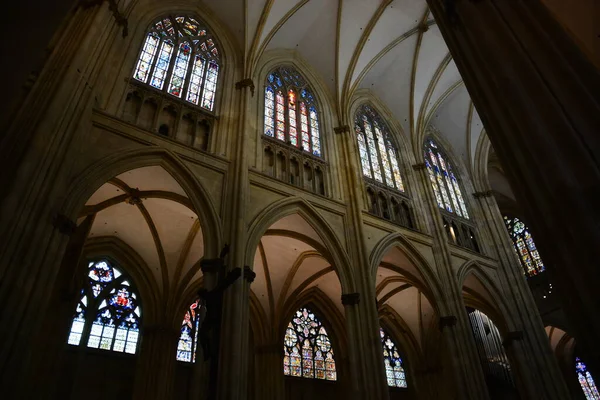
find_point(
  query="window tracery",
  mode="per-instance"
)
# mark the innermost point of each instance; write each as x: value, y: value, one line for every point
x: 378, y: 153
x: 524, y: 246
x: 307, y: 349
x: 443, y: 181
x: 180, y: 57
x: 108, y: 315
x: 291, y: 111
x: 586, y: 381
x: 394, y: 371
x: 188, y: 339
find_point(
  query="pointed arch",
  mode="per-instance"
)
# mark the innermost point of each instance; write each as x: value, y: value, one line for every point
x: 110, y: 166
x: 430, y: 283
x: 335, y: 253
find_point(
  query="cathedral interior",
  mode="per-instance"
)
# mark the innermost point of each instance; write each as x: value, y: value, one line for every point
x: 300, y: 199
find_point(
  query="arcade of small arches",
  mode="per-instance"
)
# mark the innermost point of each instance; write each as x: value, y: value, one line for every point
x: 376, y: 261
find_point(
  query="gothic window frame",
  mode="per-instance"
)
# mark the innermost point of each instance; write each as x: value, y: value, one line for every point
x: 196, y: 76
x: 103, y: 307
x: 369, y: 127
x: 447, y: 187
x: 586, y: 381
x: 524, y: 245
x: 277, y: 122
x: 319, y: 342
x: 190, y: 326
x: 395, y: 374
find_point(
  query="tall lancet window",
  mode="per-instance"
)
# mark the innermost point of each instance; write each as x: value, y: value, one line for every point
x: 445, y: 185
x: 108, y: 314
x: 378, y: 154
x: 188, y: 339
x: 307, y: 348
x: 180, y: 57
x: 394, y: 371
x: 525, y: 246
x: 291, y: 111
x: 586, y: 381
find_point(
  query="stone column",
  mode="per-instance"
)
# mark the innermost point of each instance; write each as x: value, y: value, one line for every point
x: 268, y: 363
x: 155, y: 373
x: 539, y: 99
x: 538, y: 369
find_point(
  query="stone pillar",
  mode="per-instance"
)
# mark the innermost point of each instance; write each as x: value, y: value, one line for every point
x: 539, y: 99
x: 155, y: 373
x: 537, y: 372
x: 270, y: 384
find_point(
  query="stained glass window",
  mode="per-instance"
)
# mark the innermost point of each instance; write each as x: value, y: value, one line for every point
x: 445, y: 185
x: 586, y: 381
x: 108, y: 315
x: 291, y: 111
x: 188, y: 340
x: 524, y: 246
x: 181, y: 57
x: 307, y: 348
x: 394, y: 371
x: 378, y: 154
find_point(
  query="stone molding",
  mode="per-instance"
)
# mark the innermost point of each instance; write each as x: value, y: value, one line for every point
x: 447, y: 321
x: 244, y: 83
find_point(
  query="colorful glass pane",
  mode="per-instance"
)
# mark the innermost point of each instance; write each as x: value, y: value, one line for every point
x: 364, y: 156
x: 395, y: 168
x: 440, y: 180
x: 385, y: 161
x: 304, y: 127
x: 280, y: 113
x: 434, y: 184
x: 461, y: 202
x: 293, y: 133
x: 180, y: 69
x: 450, y: 187
x: 269, y: 112
x: 162, y: 65
x: 394, y: 370
x: 314, y: 129
x: 147, y: 57
x: 210, y: 86
x: 586, y: 381
x: 108, y: 313
x: 524, y: 246
x: 307, y: 349
x: 372, y: 150
x: 193, y: 95
x: 188, y: 339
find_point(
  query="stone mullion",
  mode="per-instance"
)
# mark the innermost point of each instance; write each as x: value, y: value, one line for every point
x: 233, y: 355
x: 466, y: 367
x: 534, y: 347
x: 538, y: 96
x: 362, y: 319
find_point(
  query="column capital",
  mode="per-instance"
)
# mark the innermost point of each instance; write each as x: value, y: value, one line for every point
x: 350, y: 299
x: 249, y: 275
x: 447, y: 321
x: 511, y: 337
x: 64, y: 225
x: 244, y: 83
x: 419, y: 166
x: 487, y: 193
x: 341, y: 129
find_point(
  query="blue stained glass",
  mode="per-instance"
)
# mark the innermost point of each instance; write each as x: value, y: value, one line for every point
x: 586, y: 381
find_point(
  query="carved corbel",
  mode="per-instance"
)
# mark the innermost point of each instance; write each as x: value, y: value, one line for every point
x: 249, y: 275
x: 447, y: 321
x: 480, y: 195
x: 419, y: 167
x: 341, y: 129
x: 244, y: 83
x: 64, y: 225
x: 511, y: 337
x: 350, y: 299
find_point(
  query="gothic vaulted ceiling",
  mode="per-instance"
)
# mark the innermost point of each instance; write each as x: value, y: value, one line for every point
x: 392, y: 48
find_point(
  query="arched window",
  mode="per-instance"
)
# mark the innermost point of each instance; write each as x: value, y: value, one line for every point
x: 525, y: 246
x: 445, y: 185
x: 307, y: 349
x: 180, y: 57
x: 108, y: 314
x: 188, y: 339
x: 378, y: 153
x: 396, y: 377
x: 291, y: 112
x: 586, y: 381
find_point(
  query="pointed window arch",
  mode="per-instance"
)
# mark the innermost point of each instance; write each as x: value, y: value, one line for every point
x: 108, y: 316
x: 586, y: 381
x: 181, y: 57
x: 524, y: 246
x: 291, y: 111
x: 394, y: 371
x: 307, y: 349
x: 188, y: 339
x: 379, y: 156
x: 445, y: 184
